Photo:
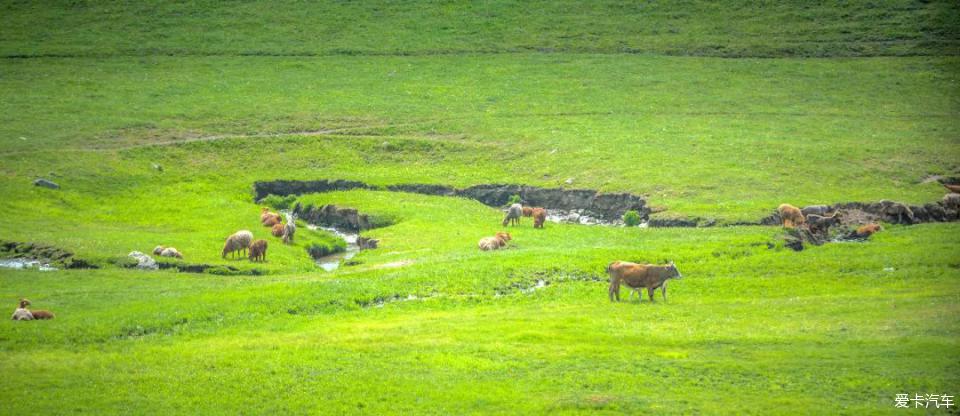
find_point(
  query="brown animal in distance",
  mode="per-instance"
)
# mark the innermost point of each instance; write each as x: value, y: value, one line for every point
x: 277, y: 230
x: 269, y: 219
x: 637, y: 276
x: 258, y: 250
x: 37, y: 314
x: 494, y: 243
x: 790, y: 215
x: 539, y: 217
x: 822, y: 223
x: 953, y: 188
x: 865, y: 231
x: 528, y: 211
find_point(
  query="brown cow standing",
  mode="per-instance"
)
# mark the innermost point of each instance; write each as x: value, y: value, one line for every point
x: 790, y: 215
x: 258, y: 250
x: 539, y: 216
x: 528, y: 211
x: 638, y: 276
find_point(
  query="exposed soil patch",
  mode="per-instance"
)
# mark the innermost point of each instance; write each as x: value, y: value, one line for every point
x: 28, y: 253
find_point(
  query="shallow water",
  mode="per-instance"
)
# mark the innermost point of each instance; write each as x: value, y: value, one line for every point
x: 21, y: 264
x: 333, y: 261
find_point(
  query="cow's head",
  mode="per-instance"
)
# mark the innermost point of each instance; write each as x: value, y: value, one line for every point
x: 674, y: 272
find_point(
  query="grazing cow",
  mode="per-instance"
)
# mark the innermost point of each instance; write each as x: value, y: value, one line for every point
x: 953, y: 188
x: 269, y: 219
x: 539, y: 216
x: 258, y: 250
x: 277, y: 230
x: 821, y: 224
x: 237, y: 242
x: 528, y: 211
x: 638, y: 276
x: 513, y: 215
x: 289, y: 230
x: 790, y: 215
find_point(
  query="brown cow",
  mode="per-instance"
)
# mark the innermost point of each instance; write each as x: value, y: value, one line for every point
x: 258, y: 250
x: 539, y: 216
x: 528, y: 211
x: 865, y: 231
x: 790, y: 215
x: 37, y: 314
x: 822, y: 223
x: 277, y: 230
x: 638, y: 276
x: 269, y: 219
x: 495, y: 242
x: 953, y: 188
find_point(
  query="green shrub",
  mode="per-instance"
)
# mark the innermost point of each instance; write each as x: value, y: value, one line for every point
x: 631, y: 218
x: 278, y: 202
x: 514, y: 199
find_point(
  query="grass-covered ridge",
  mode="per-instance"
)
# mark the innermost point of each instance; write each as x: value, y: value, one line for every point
x: 701, y: 28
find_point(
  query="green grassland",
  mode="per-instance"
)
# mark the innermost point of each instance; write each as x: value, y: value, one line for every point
x: 709, y: 110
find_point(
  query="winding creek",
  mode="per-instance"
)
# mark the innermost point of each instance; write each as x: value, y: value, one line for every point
x: 333, y: 261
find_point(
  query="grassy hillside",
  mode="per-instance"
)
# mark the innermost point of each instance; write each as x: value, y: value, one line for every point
x: 728, y: 139
x: 809, y: 330
x: 157, y: 117
x: 702, y: 28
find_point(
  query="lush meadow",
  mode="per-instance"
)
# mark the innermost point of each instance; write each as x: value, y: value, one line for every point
x: 156, y: 118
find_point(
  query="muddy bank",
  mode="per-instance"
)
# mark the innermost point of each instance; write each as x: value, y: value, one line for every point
x: 591, y: 207
x: 217, y: 269
x: 945, y: 210
x: 342, y: 218
x: 605, y: 206
x: 40, y: 255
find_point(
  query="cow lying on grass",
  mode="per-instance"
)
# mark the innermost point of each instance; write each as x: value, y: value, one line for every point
x: 495, y: 242
x: 637, y: 276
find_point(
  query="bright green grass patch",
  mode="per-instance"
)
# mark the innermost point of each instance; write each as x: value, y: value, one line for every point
x: 729, y: 29
x: 825, y: 328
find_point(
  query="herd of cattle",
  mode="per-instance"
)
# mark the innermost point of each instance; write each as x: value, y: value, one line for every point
x: 635, y: 276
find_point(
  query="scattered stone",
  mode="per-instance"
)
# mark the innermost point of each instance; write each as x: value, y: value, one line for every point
x: 144, y: 262
x: 46, y: 184
x: 157, y: 167
x: 569, y: 181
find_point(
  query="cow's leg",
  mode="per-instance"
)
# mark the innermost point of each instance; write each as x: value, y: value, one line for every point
x: 663, y: 289
x: 650, y: 291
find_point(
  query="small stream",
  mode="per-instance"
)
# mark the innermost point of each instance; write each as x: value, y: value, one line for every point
x: 21, y: 264
x: 333, y: 261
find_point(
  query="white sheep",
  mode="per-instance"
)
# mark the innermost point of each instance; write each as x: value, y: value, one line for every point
x: 239, y: 241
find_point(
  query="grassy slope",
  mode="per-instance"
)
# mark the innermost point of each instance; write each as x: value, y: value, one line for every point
x: 827, y: 328
x: 719, y: 138
x: 731, y: 29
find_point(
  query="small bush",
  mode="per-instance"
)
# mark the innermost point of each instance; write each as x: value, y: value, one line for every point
x: 326, y: 247
x: 279, y: 202
x: 514, y: 199
x: 631, y: 218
